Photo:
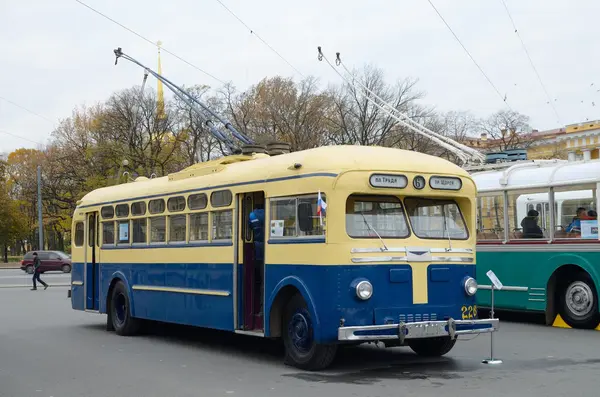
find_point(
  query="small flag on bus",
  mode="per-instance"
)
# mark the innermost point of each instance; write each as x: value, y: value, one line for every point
x: 321, y: 207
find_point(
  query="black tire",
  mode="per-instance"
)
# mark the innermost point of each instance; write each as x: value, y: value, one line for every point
x: 301, y: 351
x: 120, y: 312
x: 66, y: 268
x: 432, y: 347
x: 579, y: 301
x: 29, y: 269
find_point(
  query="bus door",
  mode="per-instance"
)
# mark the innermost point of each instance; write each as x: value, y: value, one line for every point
x: 92, y: 270
x: 251, y: 257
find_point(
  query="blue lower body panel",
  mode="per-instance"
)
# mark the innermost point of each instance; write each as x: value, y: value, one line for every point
x: 332, y: 302
x: 184, y: 293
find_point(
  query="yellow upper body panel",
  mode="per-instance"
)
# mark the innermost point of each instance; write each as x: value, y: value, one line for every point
x: 326, y: 159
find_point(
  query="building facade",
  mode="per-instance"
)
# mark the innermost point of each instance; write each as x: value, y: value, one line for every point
x: 580, y: 141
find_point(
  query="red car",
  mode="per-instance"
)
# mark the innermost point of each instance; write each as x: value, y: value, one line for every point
x: 50, y: 261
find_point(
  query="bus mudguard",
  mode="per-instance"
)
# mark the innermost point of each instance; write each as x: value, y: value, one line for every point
x: 118, y: 275
x: 559, y: 260
x: 301, y: 287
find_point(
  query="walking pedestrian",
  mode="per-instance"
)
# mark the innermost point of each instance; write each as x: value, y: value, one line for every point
x: 37, y: 272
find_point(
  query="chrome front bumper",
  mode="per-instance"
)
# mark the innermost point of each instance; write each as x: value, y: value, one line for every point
x: 423, y: 329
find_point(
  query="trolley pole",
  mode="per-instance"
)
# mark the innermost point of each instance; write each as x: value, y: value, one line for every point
x: 39, y: 200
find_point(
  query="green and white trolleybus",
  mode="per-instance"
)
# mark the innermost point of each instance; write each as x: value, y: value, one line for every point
x: 537, y: 229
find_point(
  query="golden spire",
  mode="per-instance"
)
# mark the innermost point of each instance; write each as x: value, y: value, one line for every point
x: 160, y: 105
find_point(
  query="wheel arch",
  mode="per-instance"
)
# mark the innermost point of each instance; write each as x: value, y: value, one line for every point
x: 281, y: 294
x: 115, y: 278
x: 562, y: 267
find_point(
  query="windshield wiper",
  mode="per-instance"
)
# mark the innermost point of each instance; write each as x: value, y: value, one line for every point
x: 385, y: 248
x: 446, y: 230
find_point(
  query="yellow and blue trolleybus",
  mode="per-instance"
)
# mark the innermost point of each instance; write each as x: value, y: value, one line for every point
x: 353, y: 244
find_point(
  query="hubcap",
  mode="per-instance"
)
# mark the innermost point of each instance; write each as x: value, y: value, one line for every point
x: 300, y: 332
x: 120, y: 309
x: 579, y: 298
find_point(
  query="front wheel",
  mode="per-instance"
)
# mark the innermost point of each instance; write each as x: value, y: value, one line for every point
x: 66, y: 268
x: 432, y: 347
x: 579, y: 302
x: 301, y: 350
x: 120, y: 312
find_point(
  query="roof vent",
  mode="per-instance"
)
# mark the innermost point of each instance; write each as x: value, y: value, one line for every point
x: 249, y: 150
x: 277, y: 148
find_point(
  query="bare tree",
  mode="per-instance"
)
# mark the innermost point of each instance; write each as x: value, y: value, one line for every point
x: 197, y: 142
x: 149, y: 142
x: 356, y: 120
x: 279, y: 109
x: 508, y: 130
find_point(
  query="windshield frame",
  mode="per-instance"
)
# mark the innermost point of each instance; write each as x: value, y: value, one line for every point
x: 442, y: 201
x: 385, y: 198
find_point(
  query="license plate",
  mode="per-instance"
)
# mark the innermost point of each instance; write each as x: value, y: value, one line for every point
x: 469, y: 312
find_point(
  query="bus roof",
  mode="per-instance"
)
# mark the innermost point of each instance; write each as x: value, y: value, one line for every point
x: 538, y: 175
x: 233, y: 170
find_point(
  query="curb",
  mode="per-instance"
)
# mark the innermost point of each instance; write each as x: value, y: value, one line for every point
x: 30, y: 285
x: 560, y: 323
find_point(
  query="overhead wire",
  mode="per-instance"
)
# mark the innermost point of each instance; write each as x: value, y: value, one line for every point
x: 20, y: 137
x: 407, y: 118
x: 449, y: 147
x: 470, y: 56
x: 253, y: 32
x: 26, y: 109
x: 550, y: 102
x: 151, y: 42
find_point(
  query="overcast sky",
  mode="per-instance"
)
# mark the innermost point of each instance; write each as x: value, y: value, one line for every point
x: 57, y: 54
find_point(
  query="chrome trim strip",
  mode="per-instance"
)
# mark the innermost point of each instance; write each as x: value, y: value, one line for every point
x: 451, y: 259
x: 504, y: 288
x: 181, y: 290
x: 537, y: 289
x: 76, y: 282
x: 251, y: 333
x: 374, y: 250
x: 452, y: 250
x: 372, y: 259
x: 536, y: 300
x: 536, y: 294
x: 403, y: 249
x: 417, y: 330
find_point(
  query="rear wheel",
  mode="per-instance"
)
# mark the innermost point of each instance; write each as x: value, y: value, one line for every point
x: 120, y: 312
x: 301, y: 350
x: 432, y: 347
x: 29, y: 269
x: 579, y: 302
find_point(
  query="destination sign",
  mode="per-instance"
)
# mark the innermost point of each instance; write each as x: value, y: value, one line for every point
x: 388, y: 181
x: 445, y: 183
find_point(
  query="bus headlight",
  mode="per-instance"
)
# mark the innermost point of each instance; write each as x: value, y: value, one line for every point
x: 470, y: 286
x: 364, y: 290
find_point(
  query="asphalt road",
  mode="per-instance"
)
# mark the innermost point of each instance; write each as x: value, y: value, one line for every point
x: 47, y: 349
x: 16, y: 277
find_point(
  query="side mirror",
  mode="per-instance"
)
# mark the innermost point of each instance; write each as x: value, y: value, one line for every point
x: 305, y: 221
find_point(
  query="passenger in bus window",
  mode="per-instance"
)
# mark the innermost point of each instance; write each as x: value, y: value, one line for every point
x: 530, y: 226
x: 592, y: 215
x: 575, y: 226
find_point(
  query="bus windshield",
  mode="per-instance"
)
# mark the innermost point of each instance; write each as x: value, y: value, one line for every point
x: 436, y: 219
x: 385, y: 214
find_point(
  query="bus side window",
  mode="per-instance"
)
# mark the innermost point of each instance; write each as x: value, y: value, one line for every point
x: 305, y: 217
